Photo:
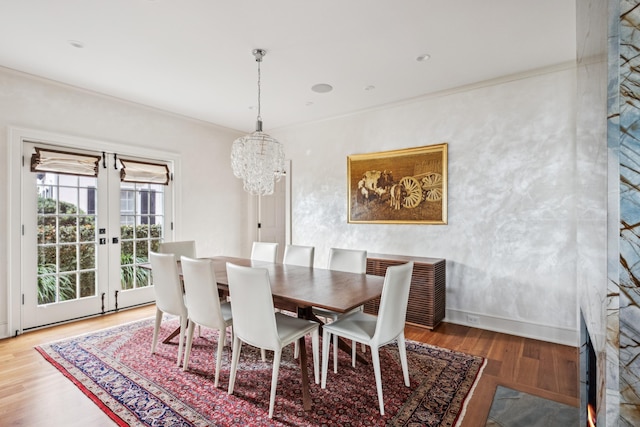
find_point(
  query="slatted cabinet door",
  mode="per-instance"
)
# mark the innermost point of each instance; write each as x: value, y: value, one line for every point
x: 427, y: 296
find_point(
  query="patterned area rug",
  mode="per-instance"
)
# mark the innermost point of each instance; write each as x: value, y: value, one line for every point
x: 115, y: 369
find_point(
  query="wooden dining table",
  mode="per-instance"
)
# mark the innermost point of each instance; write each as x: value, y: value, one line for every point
x: 299, y: 289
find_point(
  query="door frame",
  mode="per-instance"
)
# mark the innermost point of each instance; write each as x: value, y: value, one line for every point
x: 15, y: 160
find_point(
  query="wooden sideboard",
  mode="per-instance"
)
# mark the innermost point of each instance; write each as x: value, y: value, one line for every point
x: 427, y: 296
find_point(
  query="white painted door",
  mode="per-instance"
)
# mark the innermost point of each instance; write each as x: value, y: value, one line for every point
x: 272, y: 217
x: 83, y: 239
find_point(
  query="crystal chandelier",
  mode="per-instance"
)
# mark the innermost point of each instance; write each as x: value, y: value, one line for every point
x: 258, y: 158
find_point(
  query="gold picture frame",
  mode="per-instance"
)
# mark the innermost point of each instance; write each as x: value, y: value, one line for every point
x: 407, y: 186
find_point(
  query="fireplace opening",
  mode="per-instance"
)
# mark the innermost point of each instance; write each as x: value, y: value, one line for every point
x: 591, y: 384
x: 591, y: 416
x: 588, y: 377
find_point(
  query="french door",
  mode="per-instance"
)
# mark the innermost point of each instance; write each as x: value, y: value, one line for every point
x: 84, y: 237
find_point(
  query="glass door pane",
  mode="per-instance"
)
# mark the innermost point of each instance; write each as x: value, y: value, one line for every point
x: 141, y: 224
x: 66, y: 237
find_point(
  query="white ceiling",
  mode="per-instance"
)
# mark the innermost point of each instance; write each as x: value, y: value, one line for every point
x: 193, y: 57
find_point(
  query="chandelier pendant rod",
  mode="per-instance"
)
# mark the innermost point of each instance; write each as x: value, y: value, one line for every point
x: 259, y: 53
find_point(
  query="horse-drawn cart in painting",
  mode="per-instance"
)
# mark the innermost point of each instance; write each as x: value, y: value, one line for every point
x: 426, y: 186
x: 422, y: 173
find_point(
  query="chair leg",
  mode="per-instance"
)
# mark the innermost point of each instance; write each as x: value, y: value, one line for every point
x: 222, y: 333
x: 335, y: 344
x: 263, y: 354
x: 296, y: 350
x: 274, y: 380
x: 187, y: 347
x: 375, y: 359
x: 315, y: 338
x: 402, y: 349
x: 364, y: 347
x: 156, y: 330
x: 235, y: 356
x: 183, y: 329
x: 326, y: 337
x: 335, y: 354
x: 354, y: 347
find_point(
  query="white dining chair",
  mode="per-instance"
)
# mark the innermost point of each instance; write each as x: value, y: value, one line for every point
x: 256, y: 323
x: 376, y: 331
x: 298, y: 255
x: 203, y: 306
x: 169, y: 295
x: 351, y: 261
x: 264, y: 251
x: 302, y: 256
x: 179, y: 249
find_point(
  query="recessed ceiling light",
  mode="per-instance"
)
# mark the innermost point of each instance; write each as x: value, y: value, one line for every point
x: 322, y: 88
x: 423, y: 57
x: 76, y: 44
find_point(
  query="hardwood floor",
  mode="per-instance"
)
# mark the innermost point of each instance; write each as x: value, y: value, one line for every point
x: 33, y: 393
x: 536, y: 367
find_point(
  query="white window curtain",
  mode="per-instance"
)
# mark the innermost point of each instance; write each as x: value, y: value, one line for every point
x: 45, y: 160
x: 143, y: 172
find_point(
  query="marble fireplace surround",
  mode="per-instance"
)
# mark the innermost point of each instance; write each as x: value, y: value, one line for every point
x: 608, y: 42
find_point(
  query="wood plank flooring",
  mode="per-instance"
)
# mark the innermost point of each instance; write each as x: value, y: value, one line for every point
x: 536, y: 367
x: 33, y: 393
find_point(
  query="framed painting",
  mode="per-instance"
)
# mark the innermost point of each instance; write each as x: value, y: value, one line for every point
x: 407, y: 186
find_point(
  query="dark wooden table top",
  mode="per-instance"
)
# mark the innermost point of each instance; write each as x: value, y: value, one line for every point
x: 310, y: 286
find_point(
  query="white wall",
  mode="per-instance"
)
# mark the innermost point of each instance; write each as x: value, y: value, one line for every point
x: 510, y: 241
x: 212, y: 203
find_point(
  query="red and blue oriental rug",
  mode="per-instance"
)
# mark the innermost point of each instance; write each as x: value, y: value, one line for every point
x: 115, y: 369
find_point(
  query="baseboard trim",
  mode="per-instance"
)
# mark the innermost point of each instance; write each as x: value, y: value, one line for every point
x: 554, y: 334
x: 4, y: 330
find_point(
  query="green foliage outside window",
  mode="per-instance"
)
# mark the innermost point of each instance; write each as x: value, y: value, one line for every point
x: 47, y: 285
x: 130, y: 274
x: 74, y: 228
x: 149, y: 236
